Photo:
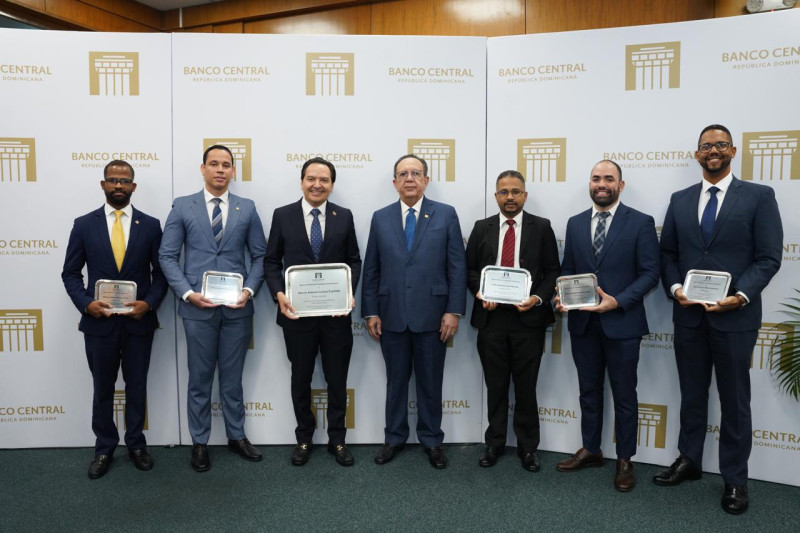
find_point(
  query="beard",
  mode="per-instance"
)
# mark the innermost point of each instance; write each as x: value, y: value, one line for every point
x: 605, y: 201
x: 118, y: 199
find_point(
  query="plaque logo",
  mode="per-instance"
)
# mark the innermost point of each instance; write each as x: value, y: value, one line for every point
x: 330, y: 74
x: 17, y: 159
x: 440, y: 154
x: 21, y: 330
x: 242, y: 149
x: 770, y: 155
x: 114, y: 73
x: 542, y: 159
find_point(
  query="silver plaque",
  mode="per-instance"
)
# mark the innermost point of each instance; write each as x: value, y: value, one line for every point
x: 706, y: 286
x: 319, y: 289
x: 578, y: 291
x: 223, y: 288
x: 505, y: 285
x: 116, y: 293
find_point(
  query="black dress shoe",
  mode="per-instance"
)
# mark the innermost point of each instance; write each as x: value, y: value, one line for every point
x: 99, y: 466
x: 490, y: 455
x: 387, y: 453
x: 734, y: 499
x: 245, y: 449
x: 683, y: 469
x: 342, y: 454
x: 200, y: 460
x: 530, y: 461
x: 436, y: 457
x: 301, y: 453
x: 141, y: 459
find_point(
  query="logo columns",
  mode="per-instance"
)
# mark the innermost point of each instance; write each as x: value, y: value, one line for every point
x: 14, y: 161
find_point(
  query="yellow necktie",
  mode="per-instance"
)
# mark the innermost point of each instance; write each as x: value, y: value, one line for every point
x: 118, y: 240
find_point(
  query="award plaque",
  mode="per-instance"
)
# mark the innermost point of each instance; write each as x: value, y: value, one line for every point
x: 578, y: 291
x: 223, y: 288
x: 505, y: 285
x: 320, y: 289
x: 115, y: 293
x: 706, y: 286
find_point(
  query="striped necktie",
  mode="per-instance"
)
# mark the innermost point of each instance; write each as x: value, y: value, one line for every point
x: 216, y: 220
x: 600, y: 233
x: 507, y: 258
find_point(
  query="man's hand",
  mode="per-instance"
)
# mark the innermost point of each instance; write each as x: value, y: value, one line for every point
x: 607, y: 303
x: 489, y: 306
x: 98, y: 309
x: 557, y: 302
x: 286, y: 308
x: 449, y: 327
x: 243, y: 297
x: 198, y: 300
x: 374, y: 327
x: 684, y: 301
x: 532, y: 301
x: 729, y: 303
x: 139, y: 308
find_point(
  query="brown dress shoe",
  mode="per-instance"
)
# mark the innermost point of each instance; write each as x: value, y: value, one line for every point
x: 624, y: 481
x: 583, y: 458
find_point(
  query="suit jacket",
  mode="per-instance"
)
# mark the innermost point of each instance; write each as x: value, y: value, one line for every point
x: 538, y: 254
x: 188, y: 229
x: 90, y: 245
x: 747, y: 242
x: 288, y: 245
x: 414, y: 289
x: 626, y: 269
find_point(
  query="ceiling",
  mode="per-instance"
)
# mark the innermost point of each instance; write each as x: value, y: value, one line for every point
x: 164, y: 5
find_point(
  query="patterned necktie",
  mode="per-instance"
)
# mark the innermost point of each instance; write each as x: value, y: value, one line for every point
x: 216, y: 220
x: 709, y: 217
x: 600, y: 233
x: 507, y: 259
x: 316, y: 234
x: 118, y: 240
x: 411, y: 226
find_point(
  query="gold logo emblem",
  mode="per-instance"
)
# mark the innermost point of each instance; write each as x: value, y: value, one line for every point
x: 770, y: 155
x: 556, y: 330
x: 652, y: 430
x: 119, y: 410
x: 17, y: 159
x: 242, y: 154
x: 319, y: 406
x: 330, y: 74
x: 542, y: 159
x: 440, y: 154
x: 767, y: 335
x: 21, y: 330
x: 114, y: 73
x: 658, y: 232
x: 653, y: 66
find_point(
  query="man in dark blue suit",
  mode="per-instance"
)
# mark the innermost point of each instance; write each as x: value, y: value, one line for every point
x: 309, y: 231
x: 720, y: 224
x: 619, y: 245
x: 117, y: 242
x: 413, y: 291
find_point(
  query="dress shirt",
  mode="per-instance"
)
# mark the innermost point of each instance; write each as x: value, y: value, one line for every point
x: 595, y: 219
x: 404, y: 211
x: 309, y: 218
x: 517, y: 237
x: 223, y: 206
x: 125, y: 220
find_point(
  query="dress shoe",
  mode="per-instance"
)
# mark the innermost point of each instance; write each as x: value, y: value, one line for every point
x: 683, y: 469
x: 301, y: 453
x: 436, y: 457
x: 387, y: 453
x: 141, y: 459
x: 734, y: 499
x: 624, y: 481
x: 490, y: 455
x: 245, y: 449
x: 530, y: 461
x: 200, y: 460
x: 342, y: 454
x: 583, y: 458
x: 99, y: 466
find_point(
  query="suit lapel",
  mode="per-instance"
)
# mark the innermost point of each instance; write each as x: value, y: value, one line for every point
x: 133, y: 237
x: 234, y: 213
x: 396, y: 215
x: 425, y: 214
x: 297, y: 225
x: 732, y: 196
x: 103, y: 237
x: 331, y: 225
x: 690, y: 211
x: 584, y: 237
x: 618, y: 222
x: 201, y: 213
x: 493, y: 237
x: 526, y: 241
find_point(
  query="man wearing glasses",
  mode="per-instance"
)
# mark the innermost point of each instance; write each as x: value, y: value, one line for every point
x: 721, y: 224
x: 414, y: 289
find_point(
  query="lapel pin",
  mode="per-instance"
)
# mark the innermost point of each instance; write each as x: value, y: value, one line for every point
x: 135, y: 221
x: 333, y: 213
x: 237, y: 207
x: 426, y: 215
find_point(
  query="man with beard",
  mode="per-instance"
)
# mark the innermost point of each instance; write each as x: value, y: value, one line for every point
x: 511, y: 337
x: 619, y: 245
x: 116, y: 242
x: 720, y: 224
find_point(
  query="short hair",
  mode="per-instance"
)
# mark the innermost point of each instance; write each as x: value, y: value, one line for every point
x: 510, y: 174
x: 318, y: 161
x: 411, y: 156
x: 619, y: 170
x: 118, y: 163
x: 218, y: 147
x: 719, y: 127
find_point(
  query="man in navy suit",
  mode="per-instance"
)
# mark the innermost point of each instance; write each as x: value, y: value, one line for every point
x: 212, y: 228
x: 413, y: 291
x: 618, y: 245
x: 117, y: 242
x: 309, y: 231
x: 721, y: 224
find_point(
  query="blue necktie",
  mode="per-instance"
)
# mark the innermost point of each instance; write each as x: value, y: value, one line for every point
x: 316, y: 234
x: 600, y: 233
x: 709, y: 217
x: 216, y: 220
x: 411, y: 225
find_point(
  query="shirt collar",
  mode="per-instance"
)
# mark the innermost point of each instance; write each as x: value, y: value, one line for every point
x: 516, y: 218
x: 722, y: 184
x: 307, y: 207
x: 208, y: 196
x: 128, y: 210
x: 417, y: 206
x: 612, y: 211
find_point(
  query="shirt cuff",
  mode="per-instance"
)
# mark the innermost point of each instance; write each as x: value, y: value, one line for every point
x: 743, y: 295
x: 251, y: 291
x: 675, y: 288
x: 186, y: 294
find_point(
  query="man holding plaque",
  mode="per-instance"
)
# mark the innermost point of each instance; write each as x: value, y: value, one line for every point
x: 730, y: 227
x: 212, y: 229
x: 619, y: 246
x: 413, y: 292
x: 117, y: 243
x: 314, y: 231
x: 511, y: 337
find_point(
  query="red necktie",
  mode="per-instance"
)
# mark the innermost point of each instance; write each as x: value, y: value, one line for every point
x: 507, y: 259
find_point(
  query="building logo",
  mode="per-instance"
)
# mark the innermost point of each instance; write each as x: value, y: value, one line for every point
x: 770, y: 155
x: 652, y: 430
x: 21, y: 330
x: 119, y: 410
x: 330, y: 74
x: 440, y: 154
x: 114, y: 73
x: 658, y: 232
x: 17, y: 159
x: 767, y: 335
x: 242, y: 154
x: 556, y: 329
x: 542, y: 159
x: 653, y: 66
x: 319, y: 406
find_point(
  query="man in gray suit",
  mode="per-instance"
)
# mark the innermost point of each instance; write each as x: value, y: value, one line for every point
x: 212, y: 228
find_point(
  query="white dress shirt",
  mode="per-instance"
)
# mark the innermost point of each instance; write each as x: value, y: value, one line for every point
x: 309, y: 218
x: 125, y: 220
x: 596, y: 219
x: 517, y: 237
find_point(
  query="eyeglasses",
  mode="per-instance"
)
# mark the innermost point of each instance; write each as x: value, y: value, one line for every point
x: 516, y: 193
x: 119, y: 181
x: 720, y: 146
x: 416, y: 174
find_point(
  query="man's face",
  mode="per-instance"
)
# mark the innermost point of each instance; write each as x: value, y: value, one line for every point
x: 118, y: 186
x: 510, y: 196
x: 715, y: 161
x: 410, y: 180
x: 217, y: 171
x: 316, y: 184
x: 604, y: 184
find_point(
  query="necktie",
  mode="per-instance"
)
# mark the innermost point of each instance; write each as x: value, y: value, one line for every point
x: 118, y: 240
x: 411, y: 226
x: 216, y: 220
x: 709, y: 217
x: 600, y: 233
x: 316, y: 234
x: 507, y: 258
